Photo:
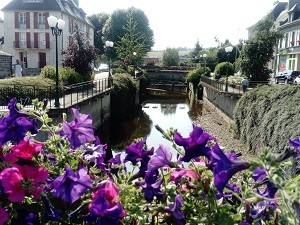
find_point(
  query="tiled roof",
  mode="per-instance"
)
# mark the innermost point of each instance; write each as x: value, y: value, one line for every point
x: 67, y: 6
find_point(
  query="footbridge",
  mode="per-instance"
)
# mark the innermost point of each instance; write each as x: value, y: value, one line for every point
x: 170, y: 80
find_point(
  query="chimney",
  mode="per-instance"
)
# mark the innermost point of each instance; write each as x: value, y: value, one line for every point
x: 76, y: 2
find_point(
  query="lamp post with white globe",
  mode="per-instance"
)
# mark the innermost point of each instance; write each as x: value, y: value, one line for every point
x: 56, y: 26
x: 228, y: 50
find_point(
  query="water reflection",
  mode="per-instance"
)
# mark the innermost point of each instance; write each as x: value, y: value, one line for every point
x: 175, y: 111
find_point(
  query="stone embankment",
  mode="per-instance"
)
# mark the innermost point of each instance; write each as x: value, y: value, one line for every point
x: 213, y: 123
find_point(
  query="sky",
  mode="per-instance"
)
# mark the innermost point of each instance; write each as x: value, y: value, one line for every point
x: 178, y: 23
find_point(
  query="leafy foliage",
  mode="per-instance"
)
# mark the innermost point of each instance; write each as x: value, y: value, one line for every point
x: 132, y: 42
x: 65, y: 75
x: 223, y: 69
x: 268, y: 115
x: 65, y: 178
x: 99, y: 20
x: 113, y: 28
x: 196, y: 51
x: 170, y: 57
x: 123, y: 95
x: 80, y: 55
x: 259, y: 51
x: 195, y: 75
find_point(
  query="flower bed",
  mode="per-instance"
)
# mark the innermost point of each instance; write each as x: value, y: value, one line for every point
x: 68, y: 180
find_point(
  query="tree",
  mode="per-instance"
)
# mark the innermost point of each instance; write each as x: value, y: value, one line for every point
x: 170, y: 57
x: 80, y: 55
x: 132, y: 42
x: 196, y: 51
x: 99, y: 20
x: 259, y: 51
x: 113, y: 28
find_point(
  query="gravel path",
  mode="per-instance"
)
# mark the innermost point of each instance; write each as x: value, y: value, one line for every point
x: 212, y: 123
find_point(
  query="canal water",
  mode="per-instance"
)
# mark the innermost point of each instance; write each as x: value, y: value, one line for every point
x: 165, y: 109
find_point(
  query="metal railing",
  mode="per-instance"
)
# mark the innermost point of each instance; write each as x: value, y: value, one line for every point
x: 232, y: 88
x: 69, y: 95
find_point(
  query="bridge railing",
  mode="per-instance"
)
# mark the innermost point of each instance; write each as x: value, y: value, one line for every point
x: 221, y: 86
x: 232, y: 88
x: 68, y: 95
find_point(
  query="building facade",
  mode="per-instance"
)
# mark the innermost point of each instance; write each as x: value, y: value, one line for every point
x: 27, y: 34
x: 288, y: 50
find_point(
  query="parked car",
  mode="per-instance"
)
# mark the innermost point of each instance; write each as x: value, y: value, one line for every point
x: 103, y: 68
x: 297, y: 80
x: 287, y: 76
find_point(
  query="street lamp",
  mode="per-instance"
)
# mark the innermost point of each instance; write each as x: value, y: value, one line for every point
x: 204, y: 57
x: 56, y: 26
x: 134, y: 63
x: 228, y: 50
x: 109, y: 45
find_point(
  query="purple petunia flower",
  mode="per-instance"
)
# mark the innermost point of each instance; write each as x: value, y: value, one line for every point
x: 161, y: 158
x: 151, y: 186
x: 175, y: 211
x: 135, y: 153
x: 80, y: 130
x: 195, y: 145
x: 224, y: 168
x: 70, y: 186
x: 259, y: 174
x: 15, y: 125
x: 104, y: 209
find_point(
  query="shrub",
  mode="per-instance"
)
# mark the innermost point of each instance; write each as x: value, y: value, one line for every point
x: 123, y: 95
x: 268, y: 115
x: 70, y: 76
x: 195, y: 75
x: 221, y: 70
x: 65, y: 75
x: 50, y: 73
x: 119, y: 70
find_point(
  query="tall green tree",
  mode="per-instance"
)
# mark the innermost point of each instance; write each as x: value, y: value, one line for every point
x: 99, y: 20
x: 196, y: 51
x: 131, y: 47
x: 80, y: 54
x: 259, y: 51
x: 170, y: 57
x: 113, y: 28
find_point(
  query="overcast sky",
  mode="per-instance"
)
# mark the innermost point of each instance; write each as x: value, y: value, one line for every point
x: 181, y: 23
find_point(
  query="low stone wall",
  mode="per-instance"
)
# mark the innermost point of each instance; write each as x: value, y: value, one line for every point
x: 223, y: 102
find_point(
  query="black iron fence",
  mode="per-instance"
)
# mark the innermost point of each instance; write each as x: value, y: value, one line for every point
x: 232, y: 88
x: 68, y: 95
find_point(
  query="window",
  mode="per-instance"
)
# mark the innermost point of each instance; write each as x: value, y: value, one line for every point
x: 22, y: 20
x: 22, y: 38
x: 42, y: 40
x: 41, y: 20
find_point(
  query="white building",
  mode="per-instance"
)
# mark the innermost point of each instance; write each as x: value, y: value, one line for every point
x: 27, y: 34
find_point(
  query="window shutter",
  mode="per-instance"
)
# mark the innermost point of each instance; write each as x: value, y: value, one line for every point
x: 46, y: 21
x: 36, y: 40
x: 27, y: 20
x: 47, y: 40
x: 16, y: 20
x: 28, y: 40
x: 35, y: 20
x: 17, y: 45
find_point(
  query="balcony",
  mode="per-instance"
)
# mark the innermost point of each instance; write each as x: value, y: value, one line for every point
x: 33, y: 45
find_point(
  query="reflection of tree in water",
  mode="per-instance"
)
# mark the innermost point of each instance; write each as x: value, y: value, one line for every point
x: 168, y: 109
x: 124, y: 131
x: 196, y: 108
